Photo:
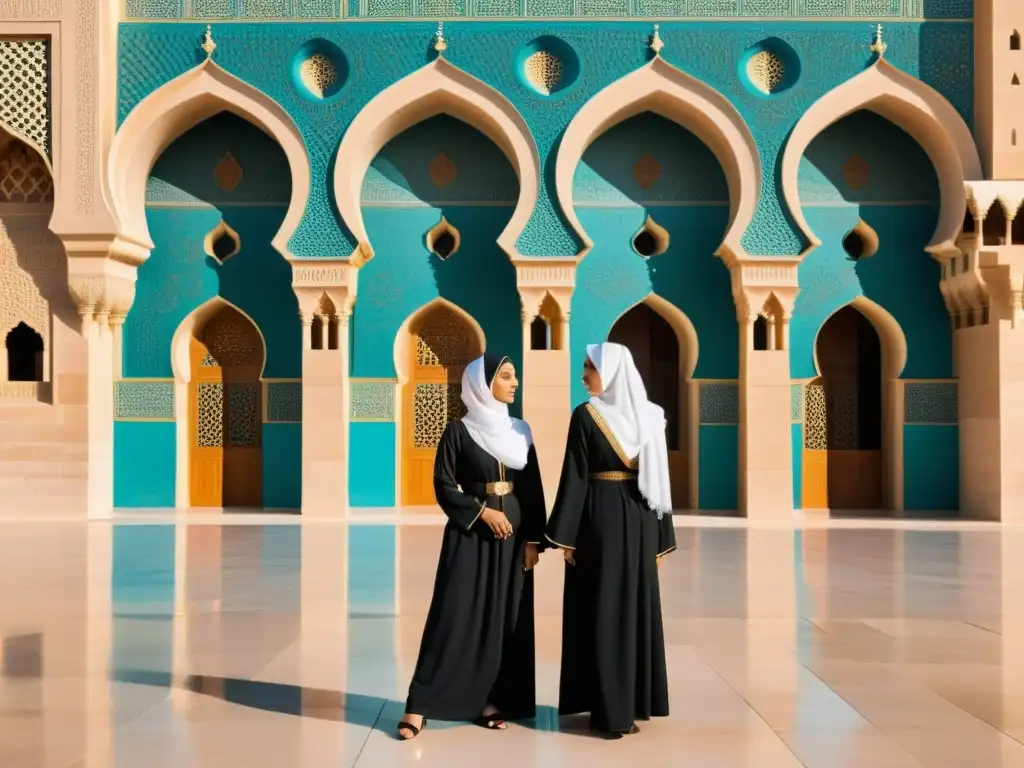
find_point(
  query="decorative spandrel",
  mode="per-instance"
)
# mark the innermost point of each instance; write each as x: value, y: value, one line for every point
x: 210, y: 421
x: 434, y: 405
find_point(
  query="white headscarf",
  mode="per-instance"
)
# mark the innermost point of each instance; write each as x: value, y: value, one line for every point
x: 637, y: 423
x: 504, y: 437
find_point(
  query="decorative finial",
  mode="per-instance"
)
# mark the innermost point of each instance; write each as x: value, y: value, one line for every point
x: 656, y: 42
x: 439, y: 44
x: 208, y: 45
x: 879, y: 45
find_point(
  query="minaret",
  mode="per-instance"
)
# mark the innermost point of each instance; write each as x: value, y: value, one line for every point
x: 998, y: 88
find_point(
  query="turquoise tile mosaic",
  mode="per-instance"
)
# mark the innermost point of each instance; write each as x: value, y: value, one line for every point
x: 940, y: 54
x: 144, y: 400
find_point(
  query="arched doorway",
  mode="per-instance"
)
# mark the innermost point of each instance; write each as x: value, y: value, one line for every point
x: 442, y: 345
x: 655, y: 348
x: 24, y: 354
x: 843, y: 465
x: 226, y: 412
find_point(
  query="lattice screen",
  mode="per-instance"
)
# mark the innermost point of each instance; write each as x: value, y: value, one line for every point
x: 25, y: 89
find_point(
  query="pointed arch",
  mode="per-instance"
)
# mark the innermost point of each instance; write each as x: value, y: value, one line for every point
x: 663, y: 89
x: 437, y: 88
x: 893, y: 340
x: 915, y: 107
x: 174, y: 108
x: 402, y: 338
x: 193, y: 323
x: 686, y: 334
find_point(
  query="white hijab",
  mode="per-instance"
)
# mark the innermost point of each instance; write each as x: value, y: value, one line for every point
x: 637, y: 423
x: 504, y: 437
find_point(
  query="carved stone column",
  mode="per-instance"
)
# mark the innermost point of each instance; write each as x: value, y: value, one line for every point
x: 101, y: 280
x: 766, y: 287
x: 326, y: 291
x: 545, y: 289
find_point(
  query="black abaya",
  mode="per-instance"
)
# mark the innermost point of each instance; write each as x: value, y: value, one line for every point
x: 613, y: 641
x: 477, y: 646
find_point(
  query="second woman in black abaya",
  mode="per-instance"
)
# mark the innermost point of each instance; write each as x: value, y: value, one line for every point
x: 476, y: 659
x: 612, y: 519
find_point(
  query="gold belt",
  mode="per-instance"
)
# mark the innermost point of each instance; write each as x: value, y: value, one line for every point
x: 614, y: 476
x: 500, y: 488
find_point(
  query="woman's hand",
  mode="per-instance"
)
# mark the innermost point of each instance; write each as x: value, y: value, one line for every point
x: 567, y: 554
x: 497, y: 522
x: 530, y: 556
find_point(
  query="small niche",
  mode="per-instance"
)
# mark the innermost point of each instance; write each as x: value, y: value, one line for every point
x: 1015, y: 80
x: 760, y: 334
x: 1013, y: 138
x: 540, y: 334
x: 325, y: 330
x: 970, y: 226
x: 24, y: 354
x: 317, y: 331
x: 651, y: 240
x: 443, y: 240
x: 1017, y: 227
x: 993, y: 228
x: 222, y: 243
x: 1015, y: 41
x: 861, y: 242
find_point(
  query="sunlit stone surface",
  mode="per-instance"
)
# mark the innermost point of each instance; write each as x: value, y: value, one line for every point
x: 262, y: 641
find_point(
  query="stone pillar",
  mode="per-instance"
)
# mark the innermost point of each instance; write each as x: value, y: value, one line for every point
x: 102, y: 285
x: 984, y: 297
x: 327, y: 290
x: 545, y: 289
x: 767, y: 287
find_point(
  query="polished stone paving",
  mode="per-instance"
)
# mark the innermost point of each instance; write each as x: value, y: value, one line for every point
x: 249, y: 642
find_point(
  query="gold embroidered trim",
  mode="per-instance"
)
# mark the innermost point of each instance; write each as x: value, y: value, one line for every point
x: 500, y: 488
x: 614, y: 475
x: 560, y: 546
x: 670, y: 549
x: 612, y: 440
x: 482, y: 508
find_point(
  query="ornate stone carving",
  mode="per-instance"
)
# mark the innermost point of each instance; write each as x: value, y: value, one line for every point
x: 86, y: 115
x: 29, y: 268
x: 540, y: 275
x: 20, y: 10
x: 318, y: 277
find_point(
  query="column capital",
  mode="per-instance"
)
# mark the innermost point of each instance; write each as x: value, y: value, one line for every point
x: 312, y: 280
x: 101, y: 280
x: 765, y: 285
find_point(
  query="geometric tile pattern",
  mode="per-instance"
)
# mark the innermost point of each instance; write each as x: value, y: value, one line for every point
x: 284, y: 401
x: 373, y: 400
x: 144, y: 400
x: 796, y: 402
x: 930, y: 403
x: 399, y: 9
x: 719, y: 403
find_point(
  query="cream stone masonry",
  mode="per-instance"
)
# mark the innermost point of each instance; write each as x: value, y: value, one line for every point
x: 998, y: 109
x: 546, y: 285
x: 983, y: 286
x: 326, y: 292
x: 766, y: 287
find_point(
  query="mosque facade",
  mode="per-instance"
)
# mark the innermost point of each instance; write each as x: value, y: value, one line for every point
x: 248, y: 246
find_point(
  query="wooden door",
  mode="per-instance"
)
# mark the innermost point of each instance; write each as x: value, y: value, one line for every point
x: 226, y: 413
x: 442, y: 346
x: 842, y: 422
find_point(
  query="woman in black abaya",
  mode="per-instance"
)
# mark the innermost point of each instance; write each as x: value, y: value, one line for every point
x: 613, y: 521
x: 476, y: 659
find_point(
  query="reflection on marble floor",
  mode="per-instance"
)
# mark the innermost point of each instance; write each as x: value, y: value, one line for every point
x: 194, y: 645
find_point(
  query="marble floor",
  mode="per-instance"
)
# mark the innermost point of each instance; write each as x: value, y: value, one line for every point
x: 254, y: 641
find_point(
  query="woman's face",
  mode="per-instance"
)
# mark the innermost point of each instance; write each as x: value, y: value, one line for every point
x: 505, y: 384
x: 592, y: 379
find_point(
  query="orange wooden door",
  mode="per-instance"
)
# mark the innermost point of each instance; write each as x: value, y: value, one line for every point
x: 226, y: 414
x: 442, y: 346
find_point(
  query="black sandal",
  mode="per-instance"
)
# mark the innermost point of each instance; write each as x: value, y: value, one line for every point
x: 404, y: 726
x: 492, y: 722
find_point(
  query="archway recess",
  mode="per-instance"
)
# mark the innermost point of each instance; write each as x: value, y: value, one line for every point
x: 173, y: 109
x: 432, y: 348
x: 911, y: 105
x: 663, y: 89
x: 437, y: 88
x: 637, y: 328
